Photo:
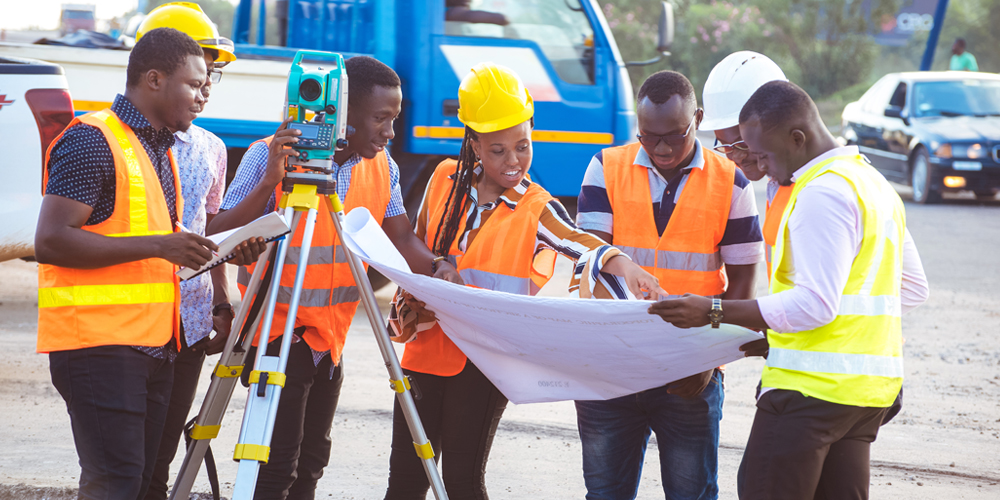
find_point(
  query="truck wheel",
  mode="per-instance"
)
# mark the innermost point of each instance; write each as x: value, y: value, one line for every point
x: 920, y: 178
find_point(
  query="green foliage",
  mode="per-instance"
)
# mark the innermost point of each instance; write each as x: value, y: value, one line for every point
x: 973, y: 20
x: 823, y: 45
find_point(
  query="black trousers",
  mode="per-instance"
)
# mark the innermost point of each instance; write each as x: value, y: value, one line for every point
x: 805, y: 448
x: 300, y: 443
x: 187, y: 369
x: 117, y: 400
x: 460, y: 415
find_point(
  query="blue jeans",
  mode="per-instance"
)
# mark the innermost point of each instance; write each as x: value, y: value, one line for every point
x: 615, y: 433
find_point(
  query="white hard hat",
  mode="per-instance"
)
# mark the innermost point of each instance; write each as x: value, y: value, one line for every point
x: 730, y: 85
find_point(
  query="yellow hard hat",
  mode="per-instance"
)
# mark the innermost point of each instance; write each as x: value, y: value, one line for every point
x: 492, y: 97
x: 188, y: 18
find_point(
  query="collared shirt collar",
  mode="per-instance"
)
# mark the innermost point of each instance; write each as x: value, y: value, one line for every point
x: 698, y: 161
x: 131, y: 116
x: 509, y: 197
x: 841, y: 151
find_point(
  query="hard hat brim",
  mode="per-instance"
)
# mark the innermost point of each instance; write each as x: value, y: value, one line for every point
x: 719, y: 122
x: 223, y: 46
x: 504, y: 123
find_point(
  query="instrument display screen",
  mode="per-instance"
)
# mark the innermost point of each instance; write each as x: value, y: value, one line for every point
x: 309, y: 131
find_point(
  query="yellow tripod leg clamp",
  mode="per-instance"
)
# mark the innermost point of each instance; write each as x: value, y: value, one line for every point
x: 205, y: 431
x: 273, y: 378
x: 424, y: 451
x: 337, y: 205
x: 400, y: 385
x: 252, y: 452
x: 224, y: 371
x: 303, y: 197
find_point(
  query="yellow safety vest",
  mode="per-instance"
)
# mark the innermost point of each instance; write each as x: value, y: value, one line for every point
x: 856, y: 359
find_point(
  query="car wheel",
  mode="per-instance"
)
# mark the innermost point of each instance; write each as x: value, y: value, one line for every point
x: 920, y: 178
x: 985, y: 195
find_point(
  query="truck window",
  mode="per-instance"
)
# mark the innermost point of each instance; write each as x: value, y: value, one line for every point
x: 559, y: 27
x: 78, y: 14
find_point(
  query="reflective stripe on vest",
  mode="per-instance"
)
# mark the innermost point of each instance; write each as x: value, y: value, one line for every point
x: 856, y: 359
x: 835, y: 362
x: 495, y: 282
x: 685, y: 258
x: 329, y: 295
x: 133, y: 303
x: 677, y: 261
x: 106, y: 295
x: 501, y: 258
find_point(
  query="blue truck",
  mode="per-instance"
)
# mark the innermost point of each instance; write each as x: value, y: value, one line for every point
x: 562, y: 49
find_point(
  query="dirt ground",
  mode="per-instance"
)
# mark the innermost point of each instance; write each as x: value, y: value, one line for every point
x: 945, y: 444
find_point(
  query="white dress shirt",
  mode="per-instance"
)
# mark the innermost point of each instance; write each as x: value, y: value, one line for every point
x: 825, y: 231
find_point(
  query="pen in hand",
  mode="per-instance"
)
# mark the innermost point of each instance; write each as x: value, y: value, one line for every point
x: 186, y: 230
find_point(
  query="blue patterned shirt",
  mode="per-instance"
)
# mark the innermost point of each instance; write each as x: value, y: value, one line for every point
x: 201, y: 163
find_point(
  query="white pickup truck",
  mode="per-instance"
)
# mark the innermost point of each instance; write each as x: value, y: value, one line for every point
x: 35, y: 107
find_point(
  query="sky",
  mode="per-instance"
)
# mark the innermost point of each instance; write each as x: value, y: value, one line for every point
x: 21, y: 14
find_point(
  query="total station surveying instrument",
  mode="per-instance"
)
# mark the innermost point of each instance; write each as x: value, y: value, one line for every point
x: 308, y: 187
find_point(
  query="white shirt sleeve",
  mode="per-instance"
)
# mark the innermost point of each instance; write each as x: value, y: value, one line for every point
x: 913, y: 289
x: 826, y: 232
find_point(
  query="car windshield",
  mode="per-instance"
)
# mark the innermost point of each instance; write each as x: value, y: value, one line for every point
x: 972, y: 97
x: 559, y: 27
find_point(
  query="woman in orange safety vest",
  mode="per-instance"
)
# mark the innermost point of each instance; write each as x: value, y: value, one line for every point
x: 502, y: 231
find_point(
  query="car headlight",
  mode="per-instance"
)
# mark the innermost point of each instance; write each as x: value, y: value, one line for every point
x: 971, y: 151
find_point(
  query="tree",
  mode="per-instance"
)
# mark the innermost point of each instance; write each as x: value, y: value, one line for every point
x: 823, y: 45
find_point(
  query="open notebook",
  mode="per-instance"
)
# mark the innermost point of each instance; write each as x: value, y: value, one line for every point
x: 270, y: 227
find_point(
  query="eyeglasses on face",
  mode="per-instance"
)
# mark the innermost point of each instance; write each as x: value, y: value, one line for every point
x: 731, y: 148
x: 215, y: 76
x: 651, y: 141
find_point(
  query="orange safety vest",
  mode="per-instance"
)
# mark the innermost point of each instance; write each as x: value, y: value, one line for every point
x: 135, y: 303
x: 329, y: 296
x: 772, y: 220
x: 686, y: 258
x: 501, y: 258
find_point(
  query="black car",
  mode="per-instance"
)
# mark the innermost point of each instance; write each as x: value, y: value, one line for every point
x: 937, y: 131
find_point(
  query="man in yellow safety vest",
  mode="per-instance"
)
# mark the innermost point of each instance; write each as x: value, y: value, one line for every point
x: 845, y: 269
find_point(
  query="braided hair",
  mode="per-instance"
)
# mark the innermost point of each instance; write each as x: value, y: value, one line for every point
x: 465, y: 168
x: 465, y: 171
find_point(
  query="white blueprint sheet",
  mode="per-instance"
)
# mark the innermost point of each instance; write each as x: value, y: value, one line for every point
x: 540, y: 349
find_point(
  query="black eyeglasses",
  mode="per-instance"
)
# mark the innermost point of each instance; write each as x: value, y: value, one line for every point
x: 731, y: 148
x: 651, y: 141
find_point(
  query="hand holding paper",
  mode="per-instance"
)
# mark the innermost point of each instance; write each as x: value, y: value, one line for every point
x: 537, y: 349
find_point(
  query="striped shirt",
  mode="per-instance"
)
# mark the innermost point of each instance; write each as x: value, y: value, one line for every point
x: 556, y: 231
x: 742, y: 241
x: 251, y: 172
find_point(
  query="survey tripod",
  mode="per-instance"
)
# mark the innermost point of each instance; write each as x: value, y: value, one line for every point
x: 307, y: 189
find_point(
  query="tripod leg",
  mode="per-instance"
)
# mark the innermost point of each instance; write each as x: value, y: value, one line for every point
x: 224, y: 380
x: 400, y: 383
x: 268, y: 377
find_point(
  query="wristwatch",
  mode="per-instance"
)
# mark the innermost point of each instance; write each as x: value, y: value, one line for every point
x: 715, y: 315
x: 220, y: 307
